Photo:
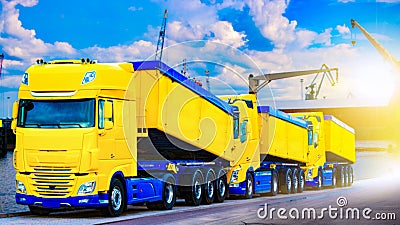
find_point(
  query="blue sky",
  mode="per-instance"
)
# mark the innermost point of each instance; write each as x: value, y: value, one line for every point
x: 231, y: 39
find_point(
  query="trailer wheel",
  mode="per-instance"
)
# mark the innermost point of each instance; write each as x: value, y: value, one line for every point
x: 35, y: 210
x: 320, y: 180
x: 351, y: 176
x: 333, y: 178
x: 295, y: 181
x: 346, y: 176
x: 340, y: 176
x: 221, y: 187
x: 195, y: 194
x: 209, y: 188
x: 116, y: 199
x: 168, y: 196
x: 301, y: 181
x: 274, y: 183
x: 285, y: 181
x: 249, y: 186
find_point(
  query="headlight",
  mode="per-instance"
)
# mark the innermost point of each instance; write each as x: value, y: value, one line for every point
x: 25, y: 79
x: 235, y: 175
x: 20, y: 187
x: 87, y: 188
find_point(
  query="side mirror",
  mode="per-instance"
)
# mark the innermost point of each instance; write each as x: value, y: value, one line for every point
x: 108, y: 125
x: 15, y: 110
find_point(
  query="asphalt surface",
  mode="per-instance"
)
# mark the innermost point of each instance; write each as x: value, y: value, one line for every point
x: 376, y: 197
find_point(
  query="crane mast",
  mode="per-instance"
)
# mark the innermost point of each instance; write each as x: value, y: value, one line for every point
x: 161, y: 36
x: 384, y: 52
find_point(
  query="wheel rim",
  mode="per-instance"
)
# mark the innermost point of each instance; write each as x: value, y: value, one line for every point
x: 169, y: 193
x: 289, y: 183
x: 295, y: 183
x: 210, y: 189
x: 197, y: 190
x: 301, y: 182
x: 319, y: 181
x: 116, y: 198
x: 249, y: 186
x: 221, y: 188
x: 275, y: 184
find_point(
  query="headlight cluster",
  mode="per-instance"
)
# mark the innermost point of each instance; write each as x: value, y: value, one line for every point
x: 87, y: 188
x: 20, y: 187
x: 235, y: 175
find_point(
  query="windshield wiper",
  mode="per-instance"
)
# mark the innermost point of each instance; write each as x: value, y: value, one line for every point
x: 31, y: 125
x: 71, y: 124
x: 49, y: 124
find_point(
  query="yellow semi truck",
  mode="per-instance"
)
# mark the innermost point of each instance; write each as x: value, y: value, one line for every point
x: 108, y: 135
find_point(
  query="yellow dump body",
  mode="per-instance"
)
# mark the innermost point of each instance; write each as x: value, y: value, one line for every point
x: 190, y: 116
x: 340, y: 141
x: 282, y: 135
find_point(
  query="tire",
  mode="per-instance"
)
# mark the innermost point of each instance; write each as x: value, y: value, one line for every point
x: 295, y: 181
x: 274, y: 183
x: 320, y: 180
x: 351, y: 175
x: 39, y: 211
x: 168, y: 197
x: 285, y: 185
x: 302, y: 181
x: 116, y: 199
x: 209, y: 188
x: 334, y: 180
x: 194, y: 196
x: 340, y: 177
x: 221, y: 189
x: 249, y: 186
x: 346, y: 176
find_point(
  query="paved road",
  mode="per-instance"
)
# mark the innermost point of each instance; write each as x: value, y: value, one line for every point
x: 376, y: 197
x: 379, y: 194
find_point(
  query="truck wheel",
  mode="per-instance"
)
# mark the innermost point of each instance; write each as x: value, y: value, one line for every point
x: 194, y: 196
x: 320, y: 180
x: 209, y: 188
x: 221, y: 187
x: 340, y: 176
x: 295, y: 181
x: 274, y: 183
x: 168, y: 197
x: 351, y: 176
x: 39, y: 210
x: 346, y: 176
x: 333, y: 178
x: 249, y: 186
x: 285, y: 181
x: 116, y: 199
x: 301, y: 181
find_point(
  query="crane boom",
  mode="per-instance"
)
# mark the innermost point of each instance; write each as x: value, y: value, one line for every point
x: 384, y: 52
x: 161, y: 36
x: 254, y: 81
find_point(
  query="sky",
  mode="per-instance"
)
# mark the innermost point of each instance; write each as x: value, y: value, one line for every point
x: 229, y: 38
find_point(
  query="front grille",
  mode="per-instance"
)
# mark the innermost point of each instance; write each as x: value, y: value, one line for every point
x: 53, y: 182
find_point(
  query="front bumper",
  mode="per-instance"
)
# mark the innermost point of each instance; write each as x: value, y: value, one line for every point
x: 90, y: 201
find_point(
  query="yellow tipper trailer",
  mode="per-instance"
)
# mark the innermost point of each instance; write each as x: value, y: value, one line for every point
x: 340, y: 141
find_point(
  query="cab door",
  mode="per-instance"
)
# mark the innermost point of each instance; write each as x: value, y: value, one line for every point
x: 106, y: 129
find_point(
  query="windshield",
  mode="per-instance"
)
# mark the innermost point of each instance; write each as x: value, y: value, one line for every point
x: 56, y: 114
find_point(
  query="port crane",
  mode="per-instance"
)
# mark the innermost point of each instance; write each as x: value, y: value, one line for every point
x: 311, y: 93
x: 161, y: 37
x: 255, y: 83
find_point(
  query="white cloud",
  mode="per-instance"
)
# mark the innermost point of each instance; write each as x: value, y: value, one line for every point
x: 10, y: 81
x: 268, y: 17
x: 178, y: 31
x: 139, y: 50
x: 324, y: 38
x: 346, y: 1
x: 343, y: 30
x: 134, y: 8
x: 20, y: 42
x: 388, y: 1
x: 225, y: 33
